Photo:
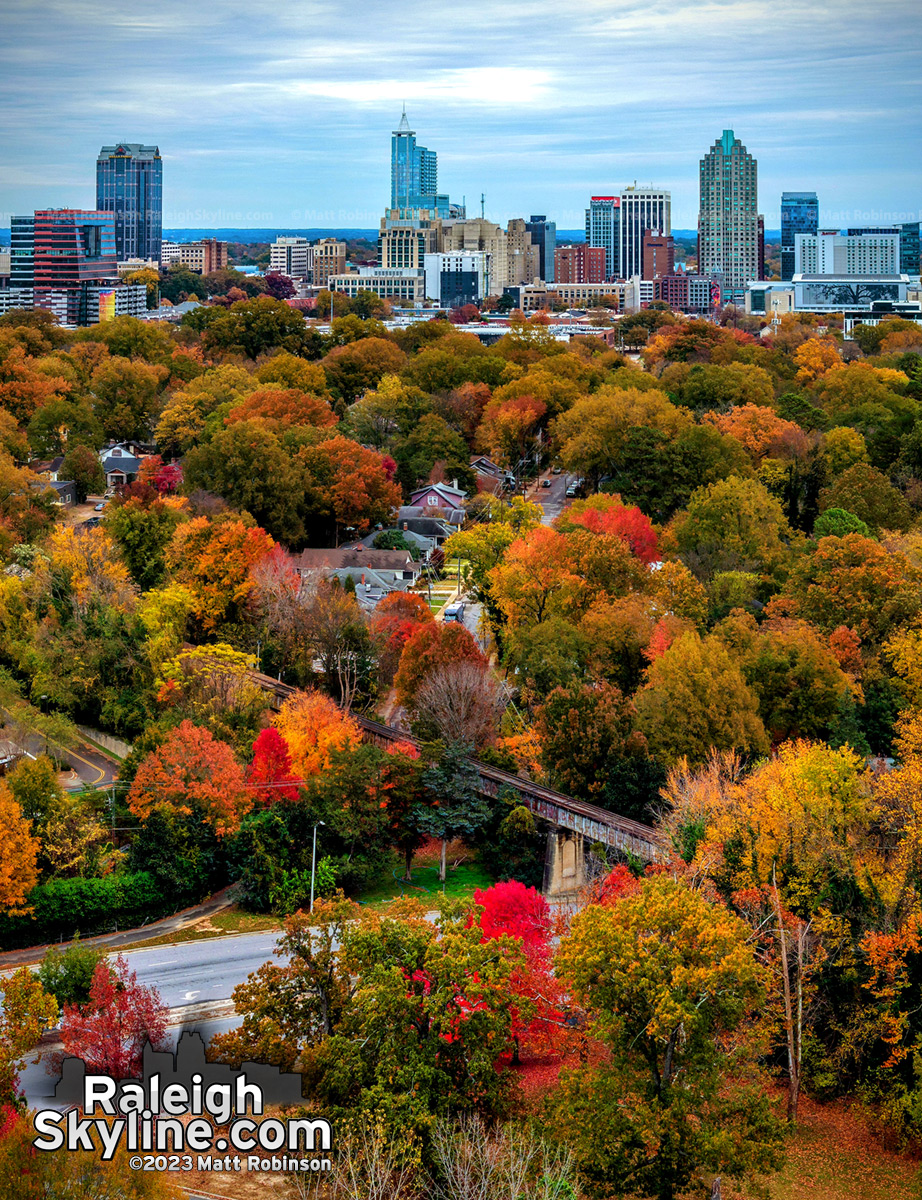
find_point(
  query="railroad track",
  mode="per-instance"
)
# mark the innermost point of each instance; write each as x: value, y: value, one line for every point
x: 594, y: 823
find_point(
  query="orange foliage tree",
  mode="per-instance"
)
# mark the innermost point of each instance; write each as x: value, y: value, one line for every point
x: 192, y: 774
x: 18, y: 854
x: 283, y: 407
x: 214, y: 559
x: 315, y: 728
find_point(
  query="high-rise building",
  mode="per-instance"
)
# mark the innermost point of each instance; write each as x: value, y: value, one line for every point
x: 658, y: 254
x: 868, y: 251
x: 523, y: 257
x: 728, y: 217
x: 329, y: 259
x: 580, y: 263
x: 910, y: 254
x: 641, y: 209
x: 129, y: 184
x: 291, y: 256
x: 22, y: 252
x: 414, y: 173
x: 800, y: 213
x: 480, y: 234
x: 603, y: 228
x: 693, y: 294
x: 760, y: 258
x: 407, y: 236
x: 544, y: 235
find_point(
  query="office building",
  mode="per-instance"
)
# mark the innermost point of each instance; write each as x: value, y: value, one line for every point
x: 799, y: 214
x: 693, y: 294
x: 291, y: 256
x: 728, y: 217
x: 329, y: 259
x: 401, y: 284
x: 658, y: 254
x: 523, y: 258
x: 129, y: 184
x: 641, y: 209
x: 456, y: 279
x: 204, y: 256
x: 860, y: 251
x: 22, y: 251
x: 544, y: 236
x: 74, y: 253
x: 603, y: 229
x: 910, y: 256
x: 480, y: 234
x: 579, y: 263
x: 760, y: 256
x: 414, y: 173
x: 406, y: 236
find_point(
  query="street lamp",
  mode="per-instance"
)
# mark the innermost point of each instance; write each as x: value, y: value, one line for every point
x: 314, y: 862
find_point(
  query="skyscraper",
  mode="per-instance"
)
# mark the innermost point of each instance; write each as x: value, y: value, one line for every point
x: 74, y: 259
x: 544, y: 236
x: 728, y: 217
x: 414, y: 173
x: 642, y: 210
x: 800, y: 212
x: 910, y: 256
x: 129, y: 183
x: 603, y: 228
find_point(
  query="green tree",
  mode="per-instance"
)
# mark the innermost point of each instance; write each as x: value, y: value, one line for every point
x: 457, y: 809
x: 669, y: 983
x: 126, y: 394
x: 733, y: 525
x: 869, y: 495
x: 82, y: 465
x: 67, y: 973
x: 837, y: 522
x: 57, y: 424
x: 253, y: 327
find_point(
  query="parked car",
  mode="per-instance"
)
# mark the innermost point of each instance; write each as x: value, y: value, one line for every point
x: 100, y: 507
x: 545, y: 483
x: 557, y: 470
x: 571, y: 491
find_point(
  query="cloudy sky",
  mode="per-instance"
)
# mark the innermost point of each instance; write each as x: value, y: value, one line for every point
x: 279, y: 113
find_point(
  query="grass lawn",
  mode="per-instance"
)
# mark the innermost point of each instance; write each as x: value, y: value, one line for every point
x: 462, y: 881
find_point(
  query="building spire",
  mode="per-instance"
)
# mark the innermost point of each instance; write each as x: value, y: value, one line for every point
x: 404, y: 126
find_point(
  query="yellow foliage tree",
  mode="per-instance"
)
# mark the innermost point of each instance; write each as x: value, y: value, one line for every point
x: 814, y: 358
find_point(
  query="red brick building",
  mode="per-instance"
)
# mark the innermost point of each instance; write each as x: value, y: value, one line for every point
x: 658, y: 254
x: 579, y: 264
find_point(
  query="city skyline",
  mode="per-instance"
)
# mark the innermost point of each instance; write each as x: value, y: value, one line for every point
x: 271, y: 118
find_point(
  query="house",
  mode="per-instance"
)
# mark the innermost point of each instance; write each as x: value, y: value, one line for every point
x: 66, y: 491
x: 423, y: 544
x: 392, y: 570
x: 438, y: 495
x: 120, y: 463
x: 439, y: 523
x: 48, y: 469
x: 490, y: 476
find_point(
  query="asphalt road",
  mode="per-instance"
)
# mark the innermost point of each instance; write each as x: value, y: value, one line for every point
x: 553, y: 499
x: 202, y: 971
x: 89, y: 765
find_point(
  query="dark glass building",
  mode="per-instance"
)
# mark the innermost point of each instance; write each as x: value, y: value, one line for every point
x: 22, y: 252
x: 800, y: 213
x: 910, y: 251
x: 74, y: 255
x: 129, y: 183
x: 544, y: 236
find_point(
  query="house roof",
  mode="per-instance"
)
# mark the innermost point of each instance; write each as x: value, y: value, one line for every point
x: 127, y: 463
x: 354, y: 558
x: 450, y: 514
x: 451, y: 496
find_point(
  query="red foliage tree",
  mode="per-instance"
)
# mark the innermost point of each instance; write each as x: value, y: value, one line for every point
x: 271, y: 769
x: 606, y: 514
x: 393, y: 623
x: 510, y: 909
x: 110, y: 1031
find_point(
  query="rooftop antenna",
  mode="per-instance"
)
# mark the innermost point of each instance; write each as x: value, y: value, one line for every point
x: 482, y: 198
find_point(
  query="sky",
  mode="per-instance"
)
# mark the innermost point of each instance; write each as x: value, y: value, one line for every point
x: 279, y: 113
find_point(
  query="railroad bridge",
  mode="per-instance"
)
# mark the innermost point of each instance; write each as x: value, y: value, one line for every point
x: 575, y: 825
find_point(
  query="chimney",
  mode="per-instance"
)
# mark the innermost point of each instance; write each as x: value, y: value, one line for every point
x: 359, y: 548
x: 406, y: 526
x: 454, y: 484
x: 363, y: 579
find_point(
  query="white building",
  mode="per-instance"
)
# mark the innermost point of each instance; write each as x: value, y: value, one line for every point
x: 457, y: 278
x: 292, y: 256
x: 642, y: 209
x: 848, y: 252
x: 391, y: 283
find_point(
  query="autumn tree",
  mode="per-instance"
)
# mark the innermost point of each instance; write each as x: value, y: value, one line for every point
x: 354, y: 368
x: 281, y: 408
x: 433, y: 645
x: 460, y: 699
x: 347, y: 485
x: 26, y: 1011
x: 336, y: 637
x: 126, y: 393
x: 253, y: 327
x: 696, y: 699
x: 270, y: 772
x: 26, y: 511
x: 394, y: 621
x: 143, y: 531
x: 869, y: 495
x: 214, y: 560
x: 586, y: 730
x: 18, y: 873
x: 669, y: 984
x: 735, y: 524
x: 608, y: 514
x: 192, y: 774
x: 121, y: 1016
x: 314, y: 728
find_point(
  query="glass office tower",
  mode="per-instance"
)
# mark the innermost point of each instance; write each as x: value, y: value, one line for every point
x: 129, y: 184
x: 800, y: 212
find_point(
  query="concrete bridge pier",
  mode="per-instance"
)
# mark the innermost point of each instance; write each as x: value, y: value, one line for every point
x: 564, y: 864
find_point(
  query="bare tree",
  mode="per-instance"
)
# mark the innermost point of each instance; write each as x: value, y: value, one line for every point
x: 475, y: 1163
x: 336, y: 635
x: 463, y: 701
x: 368, y: 1166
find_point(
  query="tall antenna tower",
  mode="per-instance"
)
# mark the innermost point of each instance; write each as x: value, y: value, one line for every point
x: 482, y: 198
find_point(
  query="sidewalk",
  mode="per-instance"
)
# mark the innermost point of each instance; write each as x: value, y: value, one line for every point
x: 178, y: 921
